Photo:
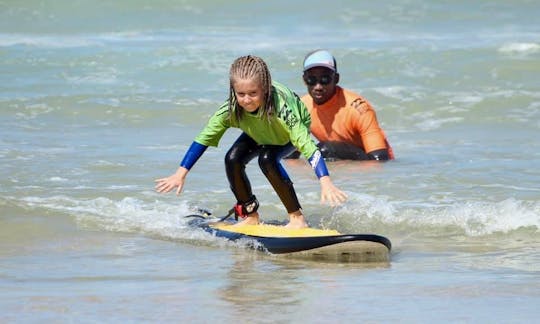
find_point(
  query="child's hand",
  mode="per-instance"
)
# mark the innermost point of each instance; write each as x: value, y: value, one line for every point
x: 331, y: 194
x: 167, y: 184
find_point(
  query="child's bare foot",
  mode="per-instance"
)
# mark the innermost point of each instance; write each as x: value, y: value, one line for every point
x: 296, y: 220
x: 251, y: 219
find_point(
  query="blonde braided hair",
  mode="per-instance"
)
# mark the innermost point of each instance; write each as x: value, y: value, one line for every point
x: 250, y: 67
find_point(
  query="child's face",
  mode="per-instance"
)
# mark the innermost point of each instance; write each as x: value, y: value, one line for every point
x: 249, y: 94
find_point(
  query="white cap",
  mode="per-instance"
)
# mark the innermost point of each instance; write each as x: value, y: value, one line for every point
x: 320, y: 58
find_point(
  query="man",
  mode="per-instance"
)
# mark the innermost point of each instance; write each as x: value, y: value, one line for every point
x: 344, y: 122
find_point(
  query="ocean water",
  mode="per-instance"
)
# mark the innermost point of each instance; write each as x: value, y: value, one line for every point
x: 100, y: 98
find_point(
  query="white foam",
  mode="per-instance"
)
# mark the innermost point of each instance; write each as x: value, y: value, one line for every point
x: 105, y: 77
x: 58, y: 40
x: 58, y: 179
x: 396, y: 92
x: 431, y: 124
x: 481, y: 218
x: 46, y: 41
x: 516, y: 48
x: 104, y: 163
x: 126, y: 215
x: 164, y: 219
x: 473, y: 218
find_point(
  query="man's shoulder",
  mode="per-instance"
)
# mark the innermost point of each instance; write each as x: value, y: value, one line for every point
x: 356, y: 101
x: 307, y: 100
x: 348, y: 93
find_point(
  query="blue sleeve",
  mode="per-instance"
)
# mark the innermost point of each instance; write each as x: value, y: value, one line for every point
x: 318, y: 164
x: 194, y: 152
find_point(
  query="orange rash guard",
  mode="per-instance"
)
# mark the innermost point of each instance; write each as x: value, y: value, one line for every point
x: 347, y: 117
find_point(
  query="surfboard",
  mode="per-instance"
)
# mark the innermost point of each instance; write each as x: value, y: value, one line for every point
x: 305, y: 243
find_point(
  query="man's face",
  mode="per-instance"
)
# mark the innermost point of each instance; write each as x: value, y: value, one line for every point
x: 321, y: 83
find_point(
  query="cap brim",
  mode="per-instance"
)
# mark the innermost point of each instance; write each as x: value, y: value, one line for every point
x: 331, y: 67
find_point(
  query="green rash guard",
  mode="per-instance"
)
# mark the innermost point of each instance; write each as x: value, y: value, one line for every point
x: 290, y: 123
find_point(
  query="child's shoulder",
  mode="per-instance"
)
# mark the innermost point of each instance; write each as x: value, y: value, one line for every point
x: 280, y: 86
x: 282, y: 90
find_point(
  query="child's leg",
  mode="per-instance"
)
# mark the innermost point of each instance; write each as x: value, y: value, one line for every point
x: 269, y: 161
x: 241, y: 152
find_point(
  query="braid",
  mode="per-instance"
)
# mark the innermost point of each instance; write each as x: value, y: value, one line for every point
x: 254, y: 68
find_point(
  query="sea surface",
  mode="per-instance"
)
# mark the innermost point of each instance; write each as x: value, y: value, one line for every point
x: 100, y: 98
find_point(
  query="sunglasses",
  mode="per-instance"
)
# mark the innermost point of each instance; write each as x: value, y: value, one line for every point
x: 323, y: 80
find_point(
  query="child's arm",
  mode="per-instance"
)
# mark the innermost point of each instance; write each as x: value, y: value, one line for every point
x: 329, y: 193
x: 177, y: 179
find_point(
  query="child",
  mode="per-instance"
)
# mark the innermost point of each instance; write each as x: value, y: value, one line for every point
x: 274, y: 123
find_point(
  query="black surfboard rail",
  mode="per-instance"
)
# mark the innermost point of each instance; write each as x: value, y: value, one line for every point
x: 281, y: 245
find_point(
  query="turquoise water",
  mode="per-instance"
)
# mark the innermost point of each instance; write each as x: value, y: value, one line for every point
x: 98, y: 99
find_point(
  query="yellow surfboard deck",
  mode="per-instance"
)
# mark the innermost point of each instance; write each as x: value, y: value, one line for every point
x: 267, y: 230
